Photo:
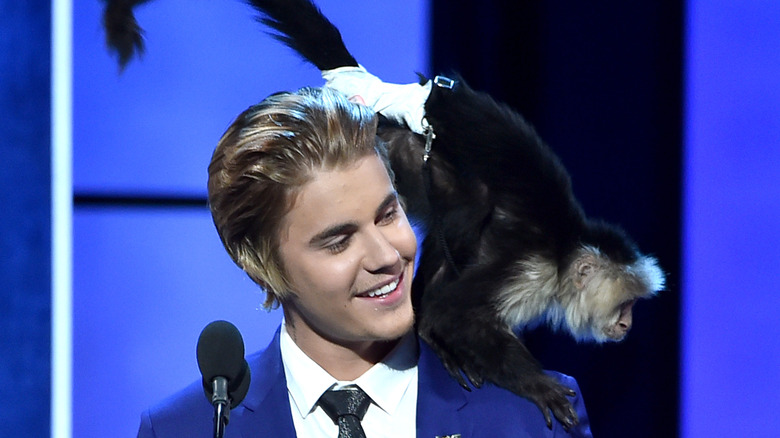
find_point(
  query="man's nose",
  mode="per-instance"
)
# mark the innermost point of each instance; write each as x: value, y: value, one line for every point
x: 380, y: 253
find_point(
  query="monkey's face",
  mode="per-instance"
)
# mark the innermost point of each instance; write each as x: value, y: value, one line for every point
x: 608, y: 302
x: 608, y: 291
x: 613, y: 294
x: 620, y: 323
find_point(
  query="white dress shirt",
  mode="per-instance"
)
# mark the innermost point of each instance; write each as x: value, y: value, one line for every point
x: 391, y: 384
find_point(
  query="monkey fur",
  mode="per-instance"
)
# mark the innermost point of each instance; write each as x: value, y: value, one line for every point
x: 123, y: 34
x: 522, y: 250
x: 507, y: 245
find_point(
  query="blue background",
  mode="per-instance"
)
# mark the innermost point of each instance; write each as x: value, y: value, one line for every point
x: 147, y: 279
x: 25, y: 247
x: 731, y: 304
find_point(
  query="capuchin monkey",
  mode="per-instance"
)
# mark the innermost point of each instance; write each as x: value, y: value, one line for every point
x: 507, y: 245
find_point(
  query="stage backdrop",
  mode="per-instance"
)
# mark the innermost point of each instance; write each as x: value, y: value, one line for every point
x: 149, y: 270
x: 148, y: 276
x: 731, y: 328
x: 25, y: 248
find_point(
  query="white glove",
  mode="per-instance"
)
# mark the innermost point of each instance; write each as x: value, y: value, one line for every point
x: 401, y: 103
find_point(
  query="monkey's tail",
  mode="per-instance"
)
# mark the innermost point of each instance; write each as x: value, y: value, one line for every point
x: 300, y: 25
x: 303, y: 28
x: 123, y: 34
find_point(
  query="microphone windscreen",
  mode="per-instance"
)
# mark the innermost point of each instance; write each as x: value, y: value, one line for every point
x: 220, y: 352
x: 239, y: 391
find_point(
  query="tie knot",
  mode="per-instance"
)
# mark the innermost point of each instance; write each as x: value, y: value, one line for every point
x: 350, y: 400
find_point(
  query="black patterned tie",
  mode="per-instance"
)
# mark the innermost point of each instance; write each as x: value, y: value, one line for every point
x: 346, y: 408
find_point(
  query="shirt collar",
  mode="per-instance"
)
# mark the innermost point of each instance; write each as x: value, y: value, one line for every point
x: 386, y: 382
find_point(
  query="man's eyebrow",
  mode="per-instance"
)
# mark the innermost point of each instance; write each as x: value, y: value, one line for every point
x: 335, y: 230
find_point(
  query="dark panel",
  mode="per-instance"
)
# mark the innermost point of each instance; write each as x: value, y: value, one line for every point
x: 602, y: 83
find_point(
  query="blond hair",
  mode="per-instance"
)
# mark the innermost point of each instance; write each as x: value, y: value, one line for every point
x: 267, y: 154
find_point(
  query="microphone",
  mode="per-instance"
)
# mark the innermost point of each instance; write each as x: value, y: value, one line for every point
x: 225, y: 371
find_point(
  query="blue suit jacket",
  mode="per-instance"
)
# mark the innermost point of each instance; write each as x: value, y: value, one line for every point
x: 443, y: 407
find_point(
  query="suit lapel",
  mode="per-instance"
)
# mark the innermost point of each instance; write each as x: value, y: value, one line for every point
x: 439, y: 399
x: 266, y: 408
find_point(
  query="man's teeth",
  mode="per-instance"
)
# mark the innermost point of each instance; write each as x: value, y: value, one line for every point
x: 384, y: 290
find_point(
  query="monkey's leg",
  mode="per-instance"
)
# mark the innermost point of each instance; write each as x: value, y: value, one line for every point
x: 460, y: 323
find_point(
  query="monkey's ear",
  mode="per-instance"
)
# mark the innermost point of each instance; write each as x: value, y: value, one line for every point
x: 584, y: 268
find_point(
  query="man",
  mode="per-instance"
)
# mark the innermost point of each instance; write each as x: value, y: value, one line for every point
x: 303, y: 201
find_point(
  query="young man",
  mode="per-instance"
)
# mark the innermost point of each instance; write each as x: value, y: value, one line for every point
x: 303, y: 201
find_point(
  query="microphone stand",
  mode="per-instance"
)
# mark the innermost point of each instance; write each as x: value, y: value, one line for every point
x: 221, y: 404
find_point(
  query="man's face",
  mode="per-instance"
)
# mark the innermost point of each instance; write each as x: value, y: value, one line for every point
x: 348, y: 253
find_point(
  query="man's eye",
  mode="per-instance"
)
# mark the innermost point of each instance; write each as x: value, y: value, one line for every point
x: 339, y: 245
x: 389, y: 216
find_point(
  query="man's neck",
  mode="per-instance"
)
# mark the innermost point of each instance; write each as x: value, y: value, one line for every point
x: 345, y: 361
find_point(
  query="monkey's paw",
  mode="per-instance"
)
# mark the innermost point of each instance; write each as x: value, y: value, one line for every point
x: 550, y: 396
x: 451, y: 364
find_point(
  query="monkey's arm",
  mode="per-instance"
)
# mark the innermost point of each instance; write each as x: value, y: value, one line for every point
x: 461, y: 324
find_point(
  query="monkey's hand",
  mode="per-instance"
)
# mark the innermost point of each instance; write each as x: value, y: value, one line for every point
x: 459, y: 369
x: 401, y: 103
x: 545, y: 392
x: 550, y: 396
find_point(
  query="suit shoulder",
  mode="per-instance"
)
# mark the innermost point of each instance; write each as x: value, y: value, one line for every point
x: 185, y: 413
x: 189, y: 413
